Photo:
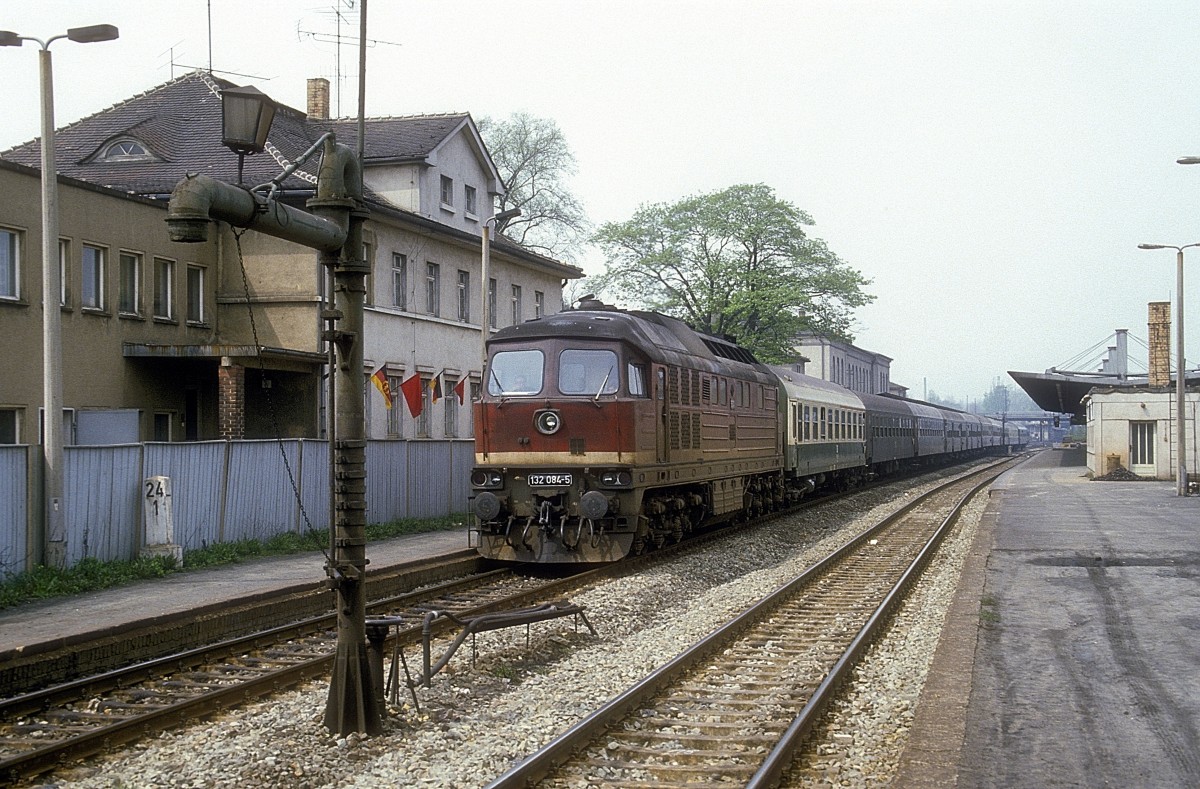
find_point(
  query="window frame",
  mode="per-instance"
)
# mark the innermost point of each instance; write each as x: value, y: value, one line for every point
x: 164, y: 289
x: 400, y: 280
x: 93, y: 265
x: 464, y: 296
x: 129, y: 292
x: 433, y: 289
x: 196, y: 298
x: 446, y: 192
x: 10, y: 264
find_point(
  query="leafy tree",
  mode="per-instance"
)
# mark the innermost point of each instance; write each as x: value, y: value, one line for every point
x: 735, y: 262
x: 535, y: 163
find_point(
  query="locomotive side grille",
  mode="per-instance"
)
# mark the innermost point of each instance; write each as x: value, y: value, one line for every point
x: 695, y: 399
x: 696, y: 431
x: 673, y: 385
x: 674, y: 430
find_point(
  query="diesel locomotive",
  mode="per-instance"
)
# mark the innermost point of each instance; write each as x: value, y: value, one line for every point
x: 603, y: 432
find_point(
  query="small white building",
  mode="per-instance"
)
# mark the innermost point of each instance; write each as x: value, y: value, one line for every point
x: 841, y: 363
x: 1135, y: 428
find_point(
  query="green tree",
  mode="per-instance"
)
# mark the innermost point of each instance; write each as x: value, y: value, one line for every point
x: 735, y: 262
x: 536, y: 164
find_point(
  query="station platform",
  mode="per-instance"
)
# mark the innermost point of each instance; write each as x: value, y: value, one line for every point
x: 1069, y: 655
x: 66, y: 618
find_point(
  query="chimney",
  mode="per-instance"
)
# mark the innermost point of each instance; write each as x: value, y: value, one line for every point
x: 1160, y: 343
x: 318, y: 99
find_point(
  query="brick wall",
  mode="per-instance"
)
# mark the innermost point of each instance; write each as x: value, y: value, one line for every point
x: 231, y: 416
x: 1160, y: 343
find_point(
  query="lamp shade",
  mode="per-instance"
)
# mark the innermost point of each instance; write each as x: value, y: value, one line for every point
x: 246, y: 115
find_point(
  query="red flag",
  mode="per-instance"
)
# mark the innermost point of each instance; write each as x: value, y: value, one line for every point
x: 412, y: 394
x: 379, y: 378
x: 435, y: 388
x: 460, y: 389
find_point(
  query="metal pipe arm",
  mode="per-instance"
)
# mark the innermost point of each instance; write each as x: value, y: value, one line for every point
x: 199, y: 199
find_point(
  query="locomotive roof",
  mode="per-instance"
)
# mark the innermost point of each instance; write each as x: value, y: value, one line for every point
x: 660, y: 337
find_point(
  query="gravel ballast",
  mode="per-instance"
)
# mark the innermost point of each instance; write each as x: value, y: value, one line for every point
x: 478, y: 720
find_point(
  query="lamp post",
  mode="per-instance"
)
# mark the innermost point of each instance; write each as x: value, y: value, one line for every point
x: 486, y: 322
x: 52, y: 395
x: 1181, y: 477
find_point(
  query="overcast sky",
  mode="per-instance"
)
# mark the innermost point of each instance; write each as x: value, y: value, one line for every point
x: 991, y: 166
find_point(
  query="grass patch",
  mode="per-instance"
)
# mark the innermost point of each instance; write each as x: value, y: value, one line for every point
x: 91, y: 575
x: 988, y: 615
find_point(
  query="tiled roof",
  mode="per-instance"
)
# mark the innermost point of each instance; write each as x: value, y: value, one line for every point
x: 180, y: 123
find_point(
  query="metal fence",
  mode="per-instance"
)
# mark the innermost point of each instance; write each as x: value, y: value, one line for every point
x: 221, y: 491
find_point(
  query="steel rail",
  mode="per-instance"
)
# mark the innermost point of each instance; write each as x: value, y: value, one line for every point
x: 540, y: 764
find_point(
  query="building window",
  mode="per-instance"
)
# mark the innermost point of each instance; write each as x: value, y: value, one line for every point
x: 517, y: 311
x: 451, y: 399
x: 368, y: 256
x: 464, y: 296
x: 126, y: 151
x: 195, y: 294
x: 399, y: 281
x: 447, y: 191
x: 10, y: 267
x: 8, y: 426
x: 426, y: 409
x: 395, y: 425
x: 539, y: 304
x: 492, y: 302
x: 92, y: 277
x: 129, y: 300
x: 469, y: 202
x: 433, y: 289
x: 164, y: 287
x: 64, y: 280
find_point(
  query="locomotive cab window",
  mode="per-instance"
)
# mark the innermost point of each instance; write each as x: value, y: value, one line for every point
x: 637, y: 380
x: 588, y: 372
x: 516, y: 373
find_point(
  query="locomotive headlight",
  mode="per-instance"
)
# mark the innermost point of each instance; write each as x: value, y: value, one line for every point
x: 486, y: 478
x: 547, y: 421
x: 616, y: 479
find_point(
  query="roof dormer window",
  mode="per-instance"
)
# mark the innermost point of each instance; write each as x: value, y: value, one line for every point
x: 126, y: 150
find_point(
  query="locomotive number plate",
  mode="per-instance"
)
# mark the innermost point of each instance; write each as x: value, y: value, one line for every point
x: 549, y: 480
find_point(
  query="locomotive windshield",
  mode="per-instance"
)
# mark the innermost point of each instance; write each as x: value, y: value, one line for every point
x: 516, y: 373
x: 591, y: 373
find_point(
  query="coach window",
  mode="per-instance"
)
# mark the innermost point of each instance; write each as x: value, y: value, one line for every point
x: 591, y: 372
x: 516, y: 372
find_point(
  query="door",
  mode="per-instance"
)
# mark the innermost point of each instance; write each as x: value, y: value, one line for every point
x: 1141, y: 448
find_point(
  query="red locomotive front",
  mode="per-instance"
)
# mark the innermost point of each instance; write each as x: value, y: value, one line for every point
x: 561, y: 426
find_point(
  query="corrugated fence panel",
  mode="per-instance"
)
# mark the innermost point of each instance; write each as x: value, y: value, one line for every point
x: 463, y: 460
x: 387, y: 482
x: 314, y: 484
x: 259, y: 500
x: 428, y: 478
x: 197, y: 472
x: 103, y: 513
x: 14, y: 511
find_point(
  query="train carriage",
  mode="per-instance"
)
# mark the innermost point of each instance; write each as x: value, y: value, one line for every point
x: 825, y: 434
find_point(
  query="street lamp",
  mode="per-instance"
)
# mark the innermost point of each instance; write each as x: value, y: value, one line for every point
x: 52, y: 396
x: 246, y: 116
x: 1181, y: 477
x: 486, y: 323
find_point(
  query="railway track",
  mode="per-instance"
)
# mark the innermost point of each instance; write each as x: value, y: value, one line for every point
x: 42, y: 729
x: 732, y: 709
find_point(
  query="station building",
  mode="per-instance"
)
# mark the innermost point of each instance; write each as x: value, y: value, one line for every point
x: 165, y: 341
